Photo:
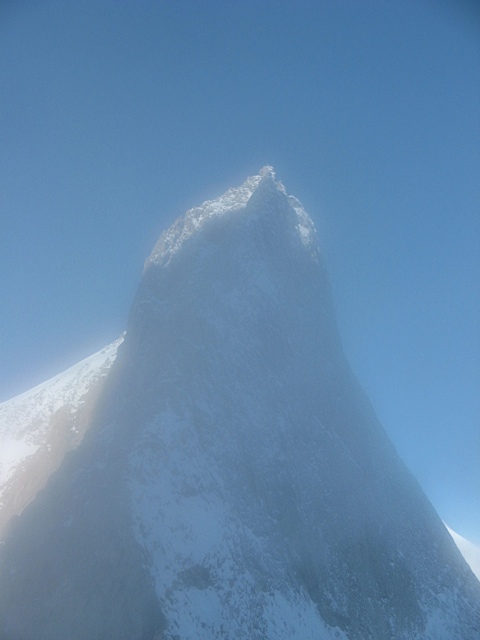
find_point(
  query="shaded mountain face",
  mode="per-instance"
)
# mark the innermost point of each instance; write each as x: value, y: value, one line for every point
x: 234, y: 481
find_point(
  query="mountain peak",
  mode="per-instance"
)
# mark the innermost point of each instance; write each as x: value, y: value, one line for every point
x: 262, y: 192
x: 267, y: 170
x: 234, y: 480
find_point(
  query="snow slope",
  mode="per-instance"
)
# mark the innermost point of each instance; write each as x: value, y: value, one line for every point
x: 32, y: 423
x: 234, y: 481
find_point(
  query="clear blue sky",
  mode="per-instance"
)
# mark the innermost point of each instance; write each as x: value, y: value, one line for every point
x: 116, y: 116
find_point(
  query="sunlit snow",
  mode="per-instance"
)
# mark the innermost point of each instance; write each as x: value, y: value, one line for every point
x: 25, y: 420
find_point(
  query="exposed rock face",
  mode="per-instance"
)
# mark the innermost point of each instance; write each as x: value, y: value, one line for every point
x: 234, y: 482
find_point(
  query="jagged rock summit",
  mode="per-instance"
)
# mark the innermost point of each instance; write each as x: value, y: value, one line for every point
x: 262, y: 186
x: 234, y: 481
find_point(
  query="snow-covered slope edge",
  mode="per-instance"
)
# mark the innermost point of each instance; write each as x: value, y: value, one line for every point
x: 39, y: 426
x: 469, y: 551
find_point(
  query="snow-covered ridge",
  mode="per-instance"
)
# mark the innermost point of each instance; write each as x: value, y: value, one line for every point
x: 232, y: 200
x: 469, y: 551
x: 25, y: 420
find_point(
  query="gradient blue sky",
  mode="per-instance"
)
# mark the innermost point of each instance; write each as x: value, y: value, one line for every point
x: 116, y: 116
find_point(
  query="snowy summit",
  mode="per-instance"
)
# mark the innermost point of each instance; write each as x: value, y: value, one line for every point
x: 264, y: 185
